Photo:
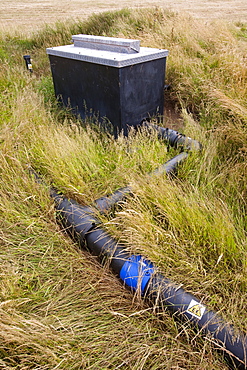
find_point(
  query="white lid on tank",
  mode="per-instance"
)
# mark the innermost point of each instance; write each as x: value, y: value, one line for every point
x: 110, y: 51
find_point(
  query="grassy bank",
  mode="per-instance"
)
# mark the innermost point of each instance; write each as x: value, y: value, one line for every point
x: 59, y: 309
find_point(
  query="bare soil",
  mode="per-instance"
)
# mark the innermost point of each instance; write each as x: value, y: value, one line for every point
x: 33, y: 14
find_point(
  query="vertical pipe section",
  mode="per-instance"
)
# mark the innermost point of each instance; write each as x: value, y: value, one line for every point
x: 28, y: 62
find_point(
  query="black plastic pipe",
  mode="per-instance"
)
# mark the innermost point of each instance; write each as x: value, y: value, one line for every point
x: 141, y: 275
x: 183, y: 304
x: 173, y: 138
x: 105, y: 203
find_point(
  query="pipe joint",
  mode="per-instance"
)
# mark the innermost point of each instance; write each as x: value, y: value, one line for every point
x: 136, y: 272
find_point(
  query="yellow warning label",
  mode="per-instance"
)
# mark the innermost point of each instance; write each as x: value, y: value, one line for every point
x: 196, y: 309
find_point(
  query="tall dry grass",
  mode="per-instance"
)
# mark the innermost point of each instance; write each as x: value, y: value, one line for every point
x: 59, y: 308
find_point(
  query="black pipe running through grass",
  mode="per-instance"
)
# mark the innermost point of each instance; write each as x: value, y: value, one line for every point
x: 105, y: 203
x: 172, y: 137
x: 140, y: 274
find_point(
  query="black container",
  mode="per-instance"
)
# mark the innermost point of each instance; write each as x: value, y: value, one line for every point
x: 112, y: 79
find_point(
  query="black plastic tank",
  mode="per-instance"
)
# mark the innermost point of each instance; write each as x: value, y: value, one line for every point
x: 112, y: 79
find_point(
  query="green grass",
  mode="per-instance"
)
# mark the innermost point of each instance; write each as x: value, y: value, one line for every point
x: 59, y: 309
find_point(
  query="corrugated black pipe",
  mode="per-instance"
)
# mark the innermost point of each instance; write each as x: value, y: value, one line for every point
x: 141, y: 275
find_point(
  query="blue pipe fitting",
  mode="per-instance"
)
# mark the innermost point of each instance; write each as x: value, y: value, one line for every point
x: 136, y: 272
